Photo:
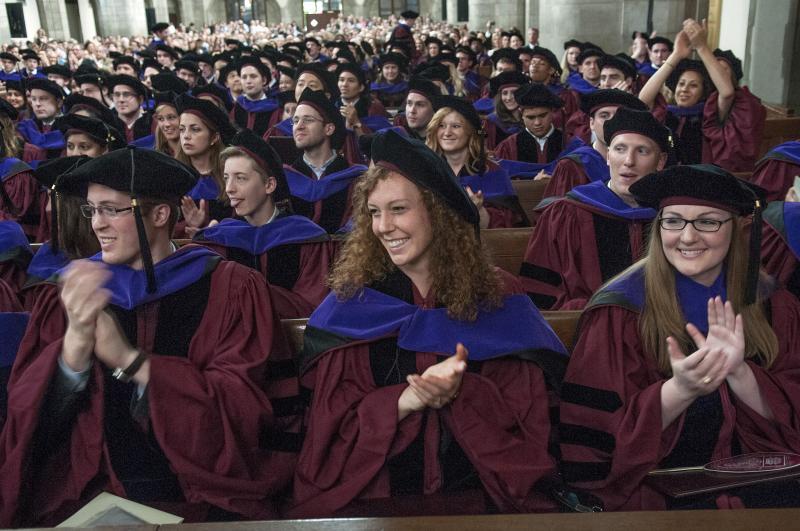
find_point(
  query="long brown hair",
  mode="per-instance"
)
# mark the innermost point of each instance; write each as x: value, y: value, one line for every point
x: 8, y: 135
x: 216, y: 165
x: 473, y: 146
x: 662, y: 317
x: 463, y: 286
x: 75, y: 234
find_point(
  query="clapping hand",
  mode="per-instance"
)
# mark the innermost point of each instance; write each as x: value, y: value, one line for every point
x: 440, y: 383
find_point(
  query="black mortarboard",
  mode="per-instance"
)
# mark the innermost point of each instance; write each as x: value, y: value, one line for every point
x: 189, y: 66
x: 461, y: 106
x: 225, y: 71
x: 329, y: 112
x: 589, y: 45
x: 232, y: 42
x: 467, y: 50
x: 393, y: 58
x: 31, y: 55
x: 345, y: 56
x: 506, y: 79
x: 445, y: 58
x: 221, y: 96
x: 589, y: 52
x: 287, y: 96
x: 140, y: 173
x: 637, y: 34
x: 287, y: 71
x: 367, y: 47
x: 610, y: 97
x: 15, y: 83
x: 434, y: 40
x: 128, y: 81
x: 420, y: 165
x: 622, y: 63
x: 254, y: 61
x: 409, y: 14
x: 146, y: 53
x: 639, y: 121
x: 328, y: 80
x: 288, y: 58
x: 423, y: 86
x: 709, y: 185
x: 165, y: 98
x: 76, y: 102
x: 685, y: 65
x: 266, y: 157
x: 169, y: 50
x: 126, y: 60
x: 7, y: 109
x: 168, y: 82
x: 660, y: 40
x: 734, y: 62
x: 505, y: 53
x: 49, y: 174
x: 46, y: 85
x: 99, y: 130
x: 152, y: 63
x: 58, y: 70
x: 159, y: 26
x: 548, y: 56
x: 9, y: 57
x: 205, y: 58
x: 312, y: 39
x: 572, y: 43
x: 214, y: 117
x: 354, y: 69
x: 537, y: 95
x: 91, y: 79
x: 434, y: 72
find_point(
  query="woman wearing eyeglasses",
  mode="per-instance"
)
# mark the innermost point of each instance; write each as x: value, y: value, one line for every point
x: 688, y: 356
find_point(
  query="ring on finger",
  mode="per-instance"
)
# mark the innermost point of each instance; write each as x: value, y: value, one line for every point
x: 707, y: 380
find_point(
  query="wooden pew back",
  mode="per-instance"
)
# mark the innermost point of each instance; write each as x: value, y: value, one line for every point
x: 777, y: 131
x: 507, y: 246
x: 530, y: 193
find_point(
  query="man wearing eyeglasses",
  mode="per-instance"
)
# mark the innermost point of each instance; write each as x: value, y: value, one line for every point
x: 143, y: 372
x: 319, y: 131
x: 597, y: 230
x: 128, y: 94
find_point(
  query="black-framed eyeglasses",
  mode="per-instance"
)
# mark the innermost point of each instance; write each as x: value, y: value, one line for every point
x: 700, y: 224
x: 89, y: 211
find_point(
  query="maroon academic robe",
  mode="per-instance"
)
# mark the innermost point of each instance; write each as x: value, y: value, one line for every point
x: 735, y: 143
x: 775, y: 176
x: 499, y: 419
x: 509, y: 149
x: 29, y: 201
x: 567, y: 174
x: 574, y: 248
x: 777, y: 258
x: 9, y: 301
x: 301, y: 298
x: 207, y: 411
x: 621, y: 390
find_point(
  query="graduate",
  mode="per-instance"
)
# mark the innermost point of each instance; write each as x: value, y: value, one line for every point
x: 545, y: 69
x: 253, y: 109
x: 390, y: 87
x: 15, y: 255
x: 84, y: 135
x: 506, y: 119
x: 417, y: 387
x: 168, y: 122
x: 143, y: 372
x: 363, y: 115
x: 292, y: 252
x: 422, y: 92
x: 205, y: 131
x: 687, y: 357
x: 321, y: 179
x: 658, y: 50
x: 589, y: 70
x: 587, y: 163
x: 539, y: 142
x: 128, y: 95
x: 403, y: 35
x: 598, y: 229
x: 712, y: 120
x: 776, y: 171
x: 15, y: 96
x: 42, y: 141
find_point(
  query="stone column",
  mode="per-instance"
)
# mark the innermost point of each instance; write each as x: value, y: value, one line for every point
x: 292, y: 10
x: 88, y: 24
x: 510, y: 13
x: 162, y: 10
x: 121, y: 17
x: 53, y: 18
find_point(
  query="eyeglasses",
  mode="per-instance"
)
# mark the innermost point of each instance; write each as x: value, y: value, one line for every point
x: 89, y: 211
x: 123, y: 95
x: 700, y: 225
x: 305, y: 120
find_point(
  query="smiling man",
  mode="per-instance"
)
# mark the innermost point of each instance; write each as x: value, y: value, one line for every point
x: 143, y: 372
x: 128, y: 94
x: 253, y: 109
x: 597, y: 230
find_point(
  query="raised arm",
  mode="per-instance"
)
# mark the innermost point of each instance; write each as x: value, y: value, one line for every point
x: 650, y: 91
x: 698, y: 36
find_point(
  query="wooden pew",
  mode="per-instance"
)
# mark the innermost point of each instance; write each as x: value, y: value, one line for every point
x: 530, y: 193
x: 507, y: 246
x: 564, y: 324
x: 777, y: 131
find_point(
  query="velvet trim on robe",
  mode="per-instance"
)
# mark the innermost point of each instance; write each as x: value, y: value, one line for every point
x: 355, y: 445
x: 611, y: 434
x: 776, y: 171
x: 26, y: 196
x: 528, y: 170
x: 208, y: 410
x: 780, y: 246
x: 578, y: 243
x: 581, y: 166
x: 500, y: 199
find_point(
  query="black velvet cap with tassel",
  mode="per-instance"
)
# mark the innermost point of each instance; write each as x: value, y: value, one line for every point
x: 142, y: 173
x: 709, y: 185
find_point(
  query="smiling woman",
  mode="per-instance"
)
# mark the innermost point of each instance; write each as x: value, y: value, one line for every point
x: 679, y: 362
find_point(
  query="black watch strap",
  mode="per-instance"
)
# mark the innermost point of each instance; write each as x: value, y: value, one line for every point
x: 125, y: 375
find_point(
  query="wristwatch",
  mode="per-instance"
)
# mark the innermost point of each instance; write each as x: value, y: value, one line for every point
x: 125, y: 375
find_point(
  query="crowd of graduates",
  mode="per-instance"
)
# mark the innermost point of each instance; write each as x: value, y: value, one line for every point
x: 346, y: 176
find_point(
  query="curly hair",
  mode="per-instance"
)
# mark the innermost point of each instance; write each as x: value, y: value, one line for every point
x: 462, y: 285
